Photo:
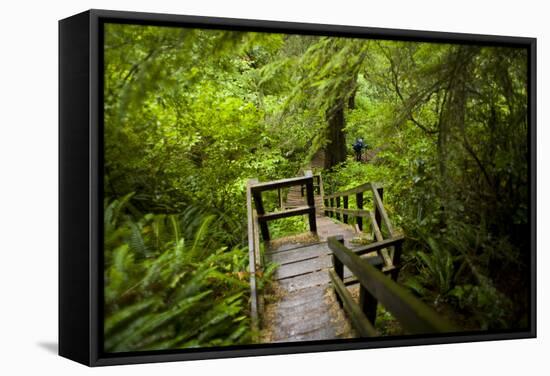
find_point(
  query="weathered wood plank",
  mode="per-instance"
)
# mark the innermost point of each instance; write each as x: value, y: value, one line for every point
x: 380, y: 207
x: 359, y: 202
x: 299, y: 254
x: 300, y: 321
x: 308, y: 314
x: 321, y: 191
x: 302, y: 267
x: 378, y: 235
x: 368, y: 304
x: 276, y: 246
x: 311, y: 204
x: 375, y: 260
x: 291, y: 253
x: 286, y: 213
x: 257, y: 253
x: 376, y: 229
x: 303, y: 329
x: 415, y: 316
x: 358, y: 318
x: 252, y: 256
x: 349, y: 192
x: 352, y: 212
x: 261, y: 211
x: 304, y: 281
x: 322, y: 331
x: 345, y: 208
x: 311, y: 296
x: 379, y: 245
x: 283, y: 183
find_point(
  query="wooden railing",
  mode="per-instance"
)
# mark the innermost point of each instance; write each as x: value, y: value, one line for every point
x: 337, y: 204
x: 258, y: 219
x: 263, y: 218
x: 254, y: 257
x: 414, y: 316
x: 377, y: 217
x: 317, y: 186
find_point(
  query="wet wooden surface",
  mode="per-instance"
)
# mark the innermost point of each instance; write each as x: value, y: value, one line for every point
x: 303, y: 305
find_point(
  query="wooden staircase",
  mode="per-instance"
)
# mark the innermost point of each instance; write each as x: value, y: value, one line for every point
x: 326, y: 285
x: 303, y: 306
x: 295, y: 199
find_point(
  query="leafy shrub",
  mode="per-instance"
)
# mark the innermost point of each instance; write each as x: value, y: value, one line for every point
x: 170, y: 283
x: 288, y: 226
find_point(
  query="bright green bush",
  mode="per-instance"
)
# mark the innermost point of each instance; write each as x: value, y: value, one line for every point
x: 170, y: 283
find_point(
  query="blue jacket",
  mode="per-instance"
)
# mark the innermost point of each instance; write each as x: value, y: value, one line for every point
x: 358, y: 145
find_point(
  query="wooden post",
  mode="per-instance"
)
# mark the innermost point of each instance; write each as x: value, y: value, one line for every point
x: 397, y: 249
x: 368, y: 304
x: 338, y: 268
x: 377, y: 214
x: 345, y: 207
x: 338, y: 206
x: 252, y: 256
x: 322, y: 192
x: 311, y: 204
x: 332, y: 206
x: 359, y: 199
x: 260, y: 210
x: 280, y: 197
x: 260, y: 262
x: 318, y: 186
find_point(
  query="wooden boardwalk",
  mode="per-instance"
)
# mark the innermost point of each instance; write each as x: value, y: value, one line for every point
x: 330, y: 280
x: 303, y: 307
x: 303, y: 304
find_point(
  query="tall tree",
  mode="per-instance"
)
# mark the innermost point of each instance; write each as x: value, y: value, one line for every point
x: 327, y: 80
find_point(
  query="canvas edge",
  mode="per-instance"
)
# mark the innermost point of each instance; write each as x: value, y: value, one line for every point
x: 96, y: 358
x: 74, y: 219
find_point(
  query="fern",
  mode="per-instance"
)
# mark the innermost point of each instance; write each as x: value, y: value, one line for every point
x: 170, y: 282
x: 137, y: 244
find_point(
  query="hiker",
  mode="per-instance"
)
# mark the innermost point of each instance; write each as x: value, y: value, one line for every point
x: 358, y: 147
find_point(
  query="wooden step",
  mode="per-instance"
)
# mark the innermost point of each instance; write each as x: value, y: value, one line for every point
x: 285, y: 213
x: 298, y: 254
x: 303, y: 266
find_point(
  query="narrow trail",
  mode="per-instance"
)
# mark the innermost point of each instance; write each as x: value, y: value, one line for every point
x: 330, y: 280
x: 303, y: 305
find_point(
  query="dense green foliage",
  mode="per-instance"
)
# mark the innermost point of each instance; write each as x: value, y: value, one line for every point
x: 449, y: 125
x: 191, y: 114
x: 170, y: 281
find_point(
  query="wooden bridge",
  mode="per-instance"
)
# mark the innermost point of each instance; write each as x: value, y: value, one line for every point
x: 330, y: 280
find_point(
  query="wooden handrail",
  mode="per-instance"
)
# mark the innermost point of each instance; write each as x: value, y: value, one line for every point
x: 358, y: 318
x: 414, y: 316
x: 253, y: 251
x: 380, y: 208
x: 377, y: 217
x: 332, y: 203
x: 300, y: 210
x: 352, y: 191
x: 378, y: 246
x: 352, y: 212
x: 283, y: 183
x: 256, y: 190
x: 316, y: 185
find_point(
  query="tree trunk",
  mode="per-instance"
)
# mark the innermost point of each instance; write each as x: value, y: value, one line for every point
x: 335, y: 150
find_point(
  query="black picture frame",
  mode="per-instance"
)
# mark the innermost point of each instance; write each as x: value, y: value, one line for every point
x: 80, y: 182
